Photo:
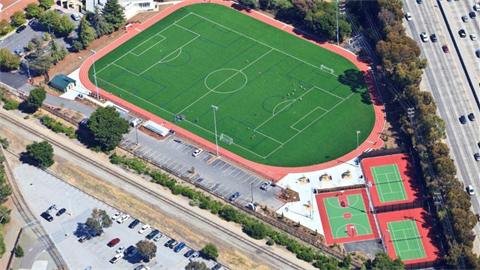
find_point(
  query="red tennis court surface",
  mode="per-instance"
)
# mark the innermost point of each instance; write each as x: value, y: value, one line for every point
x: 352, y: 236
x: 425, y: 229
x: 407, y: 172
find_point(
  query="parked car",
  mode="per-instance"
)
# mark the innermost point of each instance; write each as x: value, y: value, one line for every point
x: 158, y: 237
x: 116, y: 258
x: 134, y: 224
x: 141, y: 267
x: 130, y: 251
x: 266, y: 185
x: 151, y: 235
x: 463, y: 119
x: 120, y: 249
x: 173, y: 244
x: 189, y: 253
x: 471, y: 117
x: 21, y: 28
x: 123, y: 219
x: 424, y: 37
x: 218, y: 266
x: 464, y: 18
x: 50, y: 209
x: 46, y: 216
x: 117, y: 215
x: 197, y: 152
x: 144, y: 229
x: 195, y: 255
x: 75, y: 17
x: 113, y: 242
x: 445, y: 49
x: 462, y: 33
x: 167, y: 244
x: 408, y: 16
x: 61, y: 211
x: 234, y: 196
x: 84, y: 238
x: 179, y: 247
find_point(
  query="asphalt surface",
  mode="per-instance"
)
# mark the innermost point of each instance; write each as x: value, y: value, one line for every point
x: 42, y: 190
x: 219, y: 176
x: 446, y: 80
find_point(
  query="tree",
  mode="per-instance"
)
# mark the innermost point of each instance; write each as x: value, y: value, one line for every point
x: 86, y: 34
x: 98, y: 221
x: 383, y: 261
x: 65, y: 27
x: 18, y: 18
x: 229, y: 213
x: 210, y: 251
x: 196, y: 265
x: 42, y: 64
x: 99, y: 24
x: 250, y: 3
x: 5, y: 27
x: 107, y: 127
x: 113, y: 14
x: 41, y: 153
x: 33, y: 10
x: 19, y: 253
x: 256, y: 229
x: 8, y: 61
x: 36, y: 98
x: 147, y: 249
x: 57, y: 52
x: 47, y: 4
x: 36, y: 43
x: 60, y: 25
x: 5, y: 212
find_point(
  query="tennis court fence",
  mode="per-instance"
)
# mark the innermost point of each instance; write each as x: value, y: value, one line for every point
x: 395, y: 206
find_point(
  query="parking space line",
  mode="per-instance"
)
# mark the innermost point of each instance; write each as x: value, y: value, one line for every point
x: 151, y: 154
x: 219, y: 163
x: 237, y: 173
x: 232, y: 171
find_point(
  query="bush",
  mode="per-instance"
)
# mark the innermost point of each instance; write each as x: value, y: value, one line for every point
x: 10, y: 105
x: 255, y: 229
x: 19, y: 253
x: 270, y: 242
x: 116, y: 159
x: 210, y: 251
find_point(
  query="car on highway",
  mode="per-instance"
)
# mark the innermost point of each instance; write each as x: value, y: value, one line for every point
x: 472, y: 14
x: 117, y: 215
x: 116, y: 258
x: 419, y: 1
x: 433, y: 37
x: 123, y: 219
x: 463, y: 119
x: 476, y: 7
x: 46, y: 216
x: 113, y: 242
x: 473, y: 37
x: 197, y: 152
x: 134, y: 224
x: 465, y: 18
x: 266, y: 185
x: 470, y: 190
x: 234, y: 196
x: 471, y: 117
x: 445, y: 49
x: 478, y: 53
x: 144, y: 228
x: 152, y: 235
x: 120, y: 249
x: 408, y: 16
x: 61, y: 211
x: 21, y: 28
x: 462, y: 33
x: 477, y: 156
x: 424, y: 37
x: 478, y: 217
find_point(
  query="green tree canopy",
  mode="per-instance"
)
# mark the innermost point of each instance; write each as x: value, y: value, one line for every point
x: 196, y: 265
x: 8, y: 61
x: 255, y: 229
x: 47, y: 4
x: 113, y: 14
x: 107, y: 127
x: 86, y: 34
x: 5, y: 27
x: 36, y: 98
x: 99, y: 24
x: 60, y: 25
x: 57, y: 52
x: 41, y: 153
x: 147, y: 249
x: 383, y: 261
x: 19, y: 253
x: 99, y: 220
x: 18, y: 18
x: 210, y: 251
x: 41, y: 64
x: 33, y: 10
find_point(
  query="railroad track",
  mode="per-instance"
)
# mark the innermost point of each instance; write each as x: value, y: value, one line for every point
x: 165, y: 200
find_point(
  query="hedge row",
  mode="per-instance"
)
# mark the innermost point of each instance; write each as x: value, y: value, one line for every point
x: 58, y: 127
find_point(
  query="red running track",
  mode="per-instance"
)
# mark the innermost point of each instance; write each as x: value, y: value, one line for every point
x: 276, y: 173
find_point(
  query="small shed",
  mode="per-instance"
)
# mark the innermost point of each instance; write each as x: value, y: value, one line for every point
x: 159, y: 129
x: 63, y: 82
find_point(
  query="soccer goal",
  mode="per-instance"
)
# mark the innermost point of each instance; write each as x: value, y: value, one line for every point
x: 327, y: 69
x: 226, y: 139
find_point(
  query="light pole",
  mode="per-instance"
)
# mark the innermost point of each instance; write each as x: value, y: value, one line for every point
x: 28, y: 69
x: 386, y: 243
x: 136, y: 132
x: 214, y: 108
x: 338, y: 39
x: 251, y: 190
x: 70, y: 205
x: 94, y: 70
x: 358, y: 161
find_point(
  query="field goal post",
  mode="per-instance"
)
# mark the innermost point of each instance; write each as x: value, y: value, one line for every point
x: 224, y: 138
x: 327, y: 69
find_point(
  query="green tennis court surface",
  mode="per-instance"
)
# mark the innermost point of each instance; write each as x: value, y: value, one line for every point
x: 280, y: 99
x: 389, y: 183
x: 406, y: 240
x: 347, y: 221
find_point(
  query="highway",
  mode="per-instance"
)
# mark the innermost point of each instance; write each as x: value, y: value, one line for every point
x: 447, y: 81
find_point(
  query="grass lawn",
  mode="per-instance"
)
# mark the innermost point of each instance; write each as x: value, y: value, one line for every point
x: 276, y: 101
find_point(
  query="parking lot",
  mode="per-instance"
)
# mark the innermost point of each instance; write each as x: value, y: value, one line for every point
x: 219, y: 176
x: 42, y: 190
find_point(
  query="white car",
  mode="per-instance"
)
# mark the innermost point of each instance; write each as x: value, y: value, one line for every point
x: 194, y: 255
x: 116, y: 258
x: 197, y: 152
x: 473, y: 37
x: 424, y: 37
x: 120, y: 249
x: 476, y: 7
x: 144, y: 228
x: 123, y: 219
x: 470, y: 190
x: 408, y: 16
x: 266, y: 185
x: 158, y: 237
x: 117, y: 215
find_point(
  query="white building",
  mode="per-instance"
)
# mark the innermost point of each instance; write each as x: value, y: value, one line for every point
x: 130, y: 7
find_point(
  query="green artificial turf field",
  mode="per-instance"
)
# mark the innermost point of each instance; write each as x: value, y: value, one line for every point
x: 278, y: 102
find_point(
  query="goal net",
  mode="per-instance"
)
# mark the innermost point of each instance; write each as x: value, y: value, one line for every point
x: 326, y: 69
x: 226, y: 139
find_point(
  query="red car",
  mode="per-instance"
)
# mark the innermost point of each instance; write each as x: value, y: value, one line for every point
x: 445, y: 49
x: 113, y: 242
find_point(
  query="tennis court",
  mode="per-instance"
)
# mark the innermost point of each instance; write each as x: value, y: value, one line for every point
x: 389, y: 183
x: 347, y: 216
x: 406, y: 240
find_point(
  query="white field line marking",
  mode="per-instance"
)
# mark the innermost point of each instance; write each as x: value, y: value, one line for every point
x: 156, y: 43
x: 316, y: 108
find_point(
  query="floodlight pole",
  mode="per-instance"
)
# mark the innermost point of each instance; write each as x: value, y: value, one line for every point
x: 386, y: 243
x: 70, y: 205
x: 214, y: 108
x: 338, y: 38
x: 136, y: 132
x: 358, y: 161
x: 28, y: 70
x: 94, y: 70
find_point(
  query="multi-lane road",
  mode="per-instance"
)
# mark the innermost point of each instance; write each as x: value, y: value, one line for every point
x: 447, y: 80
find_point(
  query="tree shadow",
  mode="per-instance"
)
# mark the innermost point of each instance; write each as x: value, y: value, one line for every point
x: 81, y: 230
x: 85, y: 137
x: 355, y: 79
x: 25, y: 159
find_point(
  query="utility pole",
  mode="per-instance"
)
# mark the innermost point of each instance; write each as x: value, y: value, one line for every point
x: 214, y: 108
x: 94, y: 70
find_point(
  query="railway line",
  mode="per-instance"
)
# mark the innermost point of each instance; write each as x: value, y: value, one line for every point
x: 167, y: 201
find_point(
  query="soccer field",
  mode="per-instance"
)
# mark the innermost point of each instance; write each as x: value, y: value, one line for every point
x: 281, y: 100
